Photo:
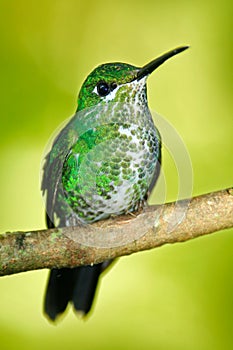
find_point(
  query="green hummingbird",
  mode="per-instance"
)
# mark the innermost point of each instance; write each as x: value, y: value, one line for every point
x: 104, y: 162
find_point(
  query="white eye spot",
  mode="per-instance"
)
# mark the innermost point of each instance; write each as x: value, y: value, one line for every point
x: 95, y: 90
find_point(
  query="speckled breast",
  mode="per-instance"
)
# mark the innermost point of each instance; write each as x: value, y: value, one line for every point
x: 111, y: 165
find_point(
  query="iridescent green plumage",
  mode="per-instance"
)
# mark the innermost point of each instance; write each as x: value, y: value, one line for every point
x: 109, y: 169
x: 119, y: 73
x: 104, y: 162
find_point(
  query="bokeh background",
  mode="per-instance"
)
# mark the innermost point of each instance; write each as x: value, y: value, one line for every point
x: 176, y: 297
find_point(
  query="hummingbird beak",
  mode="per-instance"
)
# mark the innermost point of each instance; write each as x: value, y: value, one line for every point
x: 151, y: 66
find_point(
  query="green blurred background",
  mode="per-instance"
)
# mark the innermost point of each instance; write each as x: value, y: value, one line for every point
x: 176, y: 297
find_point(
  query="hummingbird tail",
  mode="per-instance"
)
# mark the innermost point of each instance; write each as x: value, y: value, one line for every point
x: 75, y: 285
x: 86, y: 280
x: 58, y: 293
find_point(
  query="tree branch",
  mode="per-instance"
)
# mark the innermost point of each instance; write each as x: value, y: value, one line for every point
x: 122, y: 235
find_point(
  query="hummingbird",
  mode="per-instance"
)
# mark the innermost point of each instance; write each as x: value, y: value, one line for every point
x: 104, y: 162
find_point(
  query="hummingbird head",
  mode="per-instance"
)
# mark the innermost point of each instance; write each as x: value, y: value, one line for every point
x: 119, y: 82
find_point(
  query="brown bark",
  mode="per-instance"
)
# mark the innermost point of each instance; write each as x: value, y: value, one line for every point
x: 121, y: 235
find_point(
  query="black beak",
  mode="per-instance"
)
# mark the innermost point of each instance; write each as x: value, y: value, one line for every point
x: 151, y: 66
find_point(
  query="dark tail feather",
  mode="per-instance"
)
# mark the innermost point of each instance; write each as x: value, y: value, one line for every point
x: 86, y: 280
x: 77, y: 285
x: 59, y: 291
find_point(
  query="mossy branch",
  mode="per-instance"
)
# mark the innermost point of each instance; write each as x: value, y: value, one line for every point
x: 118, y: 236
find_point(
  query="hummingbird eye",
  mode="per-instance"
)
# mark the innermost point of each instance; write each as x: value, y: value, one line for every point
x: 103, y: 88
